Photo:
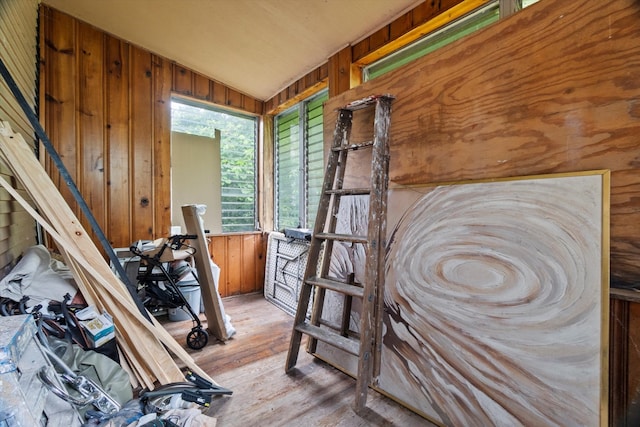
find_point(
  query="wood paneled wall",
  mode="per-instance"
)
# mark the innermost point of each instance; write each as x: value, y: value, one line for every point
x: 554, y: 88
x: 241, y: 258
x: 197, y: 86
x: 107, y: 112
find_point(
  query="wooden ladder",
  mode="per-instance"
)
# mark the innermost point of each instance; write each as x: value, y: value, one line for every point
x: 324, y: 236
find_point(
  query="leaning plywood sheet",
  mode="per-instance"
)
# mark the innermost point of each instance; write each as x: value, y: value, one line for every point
x: 496, y: 302
x: 211, y: 299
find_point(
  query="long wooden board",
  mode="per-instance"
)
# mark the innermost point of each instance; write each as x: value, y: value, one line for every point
x: 141, y: 341
x: 210, y: 298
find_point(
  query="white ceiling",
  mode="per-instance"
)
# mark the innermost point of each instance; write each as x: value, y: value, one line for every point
x: 257, y: 47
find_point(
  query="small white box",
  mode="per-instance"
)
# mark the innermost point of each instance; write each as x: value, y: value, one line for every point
x: 99, y: 329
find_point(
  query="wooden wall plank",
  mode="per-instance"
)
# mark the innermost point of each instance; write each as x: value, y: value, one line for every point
x: 119, y: 193
x: 247, y: 261
x: 218, y: 250
x: 141, y: 87
x: 189, y: 83
x: 233, y: 265
x: 182, y: 80
x: 161, y: 145
x: 241, y: 258
x: 254, y: 253
x: 400, y: 26
x: 201, y: 87
x: 60, y: 93
x: 340, y: 72
x: 252, y: 105
x: 219, y: 93
x: 234, y: 98
x: 91, y: 123
x: 630, y: 401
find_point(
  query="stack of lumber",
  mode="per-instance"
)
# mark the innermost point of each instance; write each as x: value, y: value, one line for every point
x: 144, y: 344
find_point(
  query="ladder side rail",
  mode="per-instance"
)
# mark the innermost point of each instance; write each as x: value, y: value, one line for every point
x: 385, y: 123
x: 330, y: 211
x: 341, y: 134
x: 375, y: 249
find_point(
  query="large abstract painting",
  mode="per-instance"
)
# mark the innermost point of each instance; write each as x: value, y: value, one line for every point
x: 496, y: 301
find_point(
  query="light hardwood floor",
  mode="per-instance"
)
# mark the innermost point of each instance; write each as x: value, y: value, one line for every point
x: 252, y: 365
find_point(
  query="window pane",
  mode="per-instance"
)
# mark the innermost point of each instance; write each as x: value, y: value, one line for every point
x: 439, y: 38
x: 287, y: 170
x: 237, y: 158
x: 315, y: 156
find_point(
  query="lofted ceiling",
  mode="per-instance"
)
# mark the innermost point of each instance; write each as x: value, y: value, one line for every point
x: 257, y: 47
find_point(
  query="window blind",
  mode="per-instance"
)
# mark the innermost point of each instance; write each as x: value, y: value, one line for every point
x: 315, y: 156
x: 288, y: 170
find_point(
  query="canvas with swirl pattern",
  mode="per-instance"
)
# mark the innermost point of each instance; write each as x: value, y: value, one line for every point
x: 494, y: 301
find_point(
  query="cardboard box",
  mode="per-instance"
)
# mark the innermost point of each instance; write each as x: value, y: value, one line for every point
x: 99, y: 330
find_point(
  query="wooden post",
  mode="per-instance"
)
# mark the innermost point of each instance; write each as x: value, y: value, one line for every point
x: 212, y: 308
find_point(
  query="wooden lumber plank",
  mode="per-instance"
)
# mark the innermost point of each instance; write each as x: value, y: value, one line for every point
x: 80, y: 247
x: 212, y: 309
x: 92, y: 295
x: 134, y: 364
x: 156, y: 329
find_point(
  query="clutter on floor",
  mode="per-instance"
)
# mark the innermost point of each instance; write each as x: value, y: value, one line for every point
x: 94, y: 346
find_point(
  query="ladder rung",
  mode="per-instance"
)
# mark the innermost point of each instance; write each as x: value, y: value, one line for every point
x: 353, y: 147
x: 342, y: 237
x: 352, y: 334
x: 334, y: 285
x: 331, y: 338
x: 364, y: 103
x: 349, y: 191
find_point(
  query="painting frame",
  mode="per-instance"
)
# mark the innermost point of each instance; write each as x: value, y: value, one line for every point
x: 603, y: 177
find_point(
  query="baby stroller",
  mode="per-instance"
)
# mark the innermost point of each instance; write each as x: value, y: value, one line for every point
x: 158, y: 275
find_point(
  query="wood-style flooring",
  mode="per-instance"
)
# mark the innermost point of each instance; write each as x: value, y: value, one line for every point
x: 252, y: 365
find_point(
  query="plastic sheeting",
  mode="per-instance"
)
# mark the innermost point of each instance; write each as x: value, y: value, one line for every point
x: 39, y: 277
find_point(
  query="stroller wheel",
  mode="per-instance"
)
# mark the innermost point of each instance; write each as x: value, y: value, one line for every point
x: 197, y: 338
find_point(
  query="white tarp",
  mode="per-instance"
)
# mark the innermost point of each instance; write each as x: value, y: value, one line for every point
x: 39, y: 277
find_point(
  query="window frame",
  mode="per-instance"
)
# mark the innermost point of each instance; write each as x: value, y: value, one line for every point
x: 300, y: 108
x: 398, y: 58
x: 194, y: 103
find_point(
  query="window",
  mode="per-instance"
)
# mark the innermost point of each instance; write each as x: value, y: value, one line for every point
x: 473, y: 21
x: 299, y: 163
x: 237, y: 158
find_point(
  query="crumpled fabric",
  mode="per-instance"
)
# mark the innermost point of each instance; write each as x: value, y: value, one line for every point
x: 189, y: 418
x: 39, y: 277
x: 105, y: 372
